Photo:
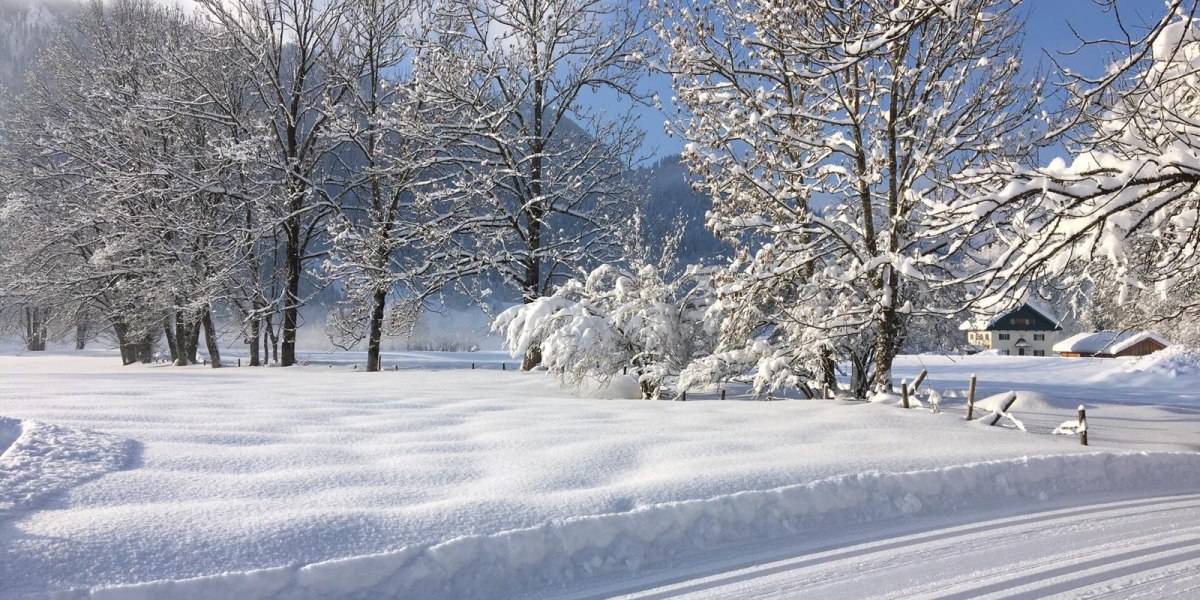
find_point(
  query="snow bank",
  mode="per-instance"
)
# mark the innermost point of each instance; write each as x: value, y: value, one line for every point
x: 619, y: 387
x: 39, y: 460
x: 1173, y: 361
x: 568, y: 549
x: 1026, y: 401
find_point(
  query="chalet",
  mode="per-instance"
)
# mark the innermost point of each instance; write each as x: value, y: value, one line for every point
x: 1111, y: 344
x: 1022, y: 331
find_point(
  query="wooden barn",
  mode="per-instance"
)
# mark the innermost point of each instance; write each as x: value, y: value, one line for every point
x: 1111, y: 344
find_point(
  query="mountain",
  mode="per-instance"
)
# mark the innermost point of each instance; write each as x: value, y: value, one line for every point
x: 672, y: 203
x: 26, y: 28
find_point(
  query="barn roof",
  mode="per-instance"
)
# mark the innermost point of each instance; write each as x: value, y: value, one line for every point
x: 1107, y: 342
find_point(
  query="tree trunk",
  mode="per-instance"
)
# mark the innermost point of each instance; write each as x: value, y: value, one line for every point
x: 144, y: 349
x: 828, y: 369
x: 375, y: 335
x: 128, y: 356
x: 255, y: 334
x: 210, y: 339
x: 35, y: 329
x: 888, y: 340
x: 81, y: 336
x: 291, y: 301
x: 193, y: 340
x: 170, y: 333
x: 273, y: 339
x: 180, y: 353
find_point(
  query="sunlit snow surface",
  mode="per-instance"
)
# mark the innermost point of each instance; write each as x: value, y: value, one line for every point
x: 441, y: 481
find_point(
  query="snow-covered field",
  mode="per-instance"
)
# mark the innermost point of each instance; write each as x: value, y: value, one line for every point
x: 441, y: 481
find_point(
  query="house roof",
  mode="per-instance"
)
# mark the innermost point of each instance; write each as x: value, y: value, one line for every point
x: 1042, y: 319
x: 1107, y: 342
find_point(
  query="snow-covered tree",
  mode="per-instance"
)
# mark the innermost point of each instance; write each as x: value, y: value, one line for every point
x: 286, y: 49
x: 388, y: 227
x: 118, y: 201
x: 1126, y: 200
x: 545, y: 161
x: 642, y: 316
x: 821, y: 130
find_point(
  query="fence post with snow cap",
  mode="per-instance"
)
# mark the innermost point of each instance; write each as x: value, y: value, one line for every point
x: 1008, y: 402
x: 1082, y: 426
x: 971, y: 398
x: 904, y: 393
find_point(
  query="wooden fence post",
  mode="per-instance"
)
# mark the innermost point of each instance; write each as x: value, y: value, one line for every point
x: 971, y: 398
x: 904, y: 393
x: 472, y: 366
x: 1082, y: 426
x: 1012, y: 398
x: 920, y: 377
x: 683, y: 396
x: 239, y: 362
x: 825, y: 392
x: 503, y: 366
x: 722, y: 394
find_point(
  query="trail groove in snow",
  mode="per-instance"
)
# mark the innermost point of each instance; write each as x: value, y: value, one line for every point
x: 568, y: 550
x: 1127, y: 548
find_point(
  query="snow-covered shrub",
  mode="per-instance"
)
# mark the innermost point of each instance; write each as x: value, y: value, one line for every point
x: 614, y: 318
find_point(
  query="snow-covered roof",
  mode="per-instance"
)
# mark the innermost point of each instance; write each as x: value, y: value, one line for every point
x: 985, y: 324
x: 1107, y: 342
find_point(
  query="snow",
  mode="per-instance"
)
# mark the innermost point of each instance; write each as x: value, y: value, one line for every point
x: 38, y: 460
x: 1170, y: 362
x: 1107, y: 342
x: 1025, y: 401
x: 326, y: 482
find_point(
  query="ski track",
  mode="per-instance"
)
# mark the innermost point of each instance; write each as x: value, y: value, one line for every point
x: 1127, y: 549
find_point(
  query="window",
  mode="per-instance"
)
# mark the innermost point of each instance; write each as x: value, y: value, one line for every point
x: 1039, y: 352
x: 1004, y: 337
x: 1039, y: 337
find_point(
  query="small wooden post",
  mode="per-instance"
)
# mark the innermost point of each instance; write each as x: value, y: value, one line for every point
x: 825, y: 392
x: 625, y: 370
x: 920, y: 377
x: 722, y: 394
x: 472, y: 366
x: 1082, y: 426
x: 971, y: 398
x: 683, y: 396
x: 503, y: 366
x: 239, y: 362
x: 904, y: 393
x: 1012, y: 398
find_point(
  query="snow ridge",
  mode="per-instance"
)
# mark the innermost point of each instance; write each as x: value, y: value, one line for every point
x: 39, y: 460
x: 565, y: 550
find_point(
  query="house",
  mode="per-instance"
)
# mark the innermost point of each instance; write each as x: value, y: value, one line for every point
x: 1022, y: 331
x: 1110, y: 344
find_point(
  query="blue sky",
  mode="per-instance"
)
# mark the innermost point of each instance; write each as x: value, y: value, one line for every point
x: 1048, y: 33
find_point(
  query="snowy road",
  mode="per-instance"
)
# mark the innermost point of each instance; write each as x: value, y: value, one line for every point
x: 1143, y: 548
